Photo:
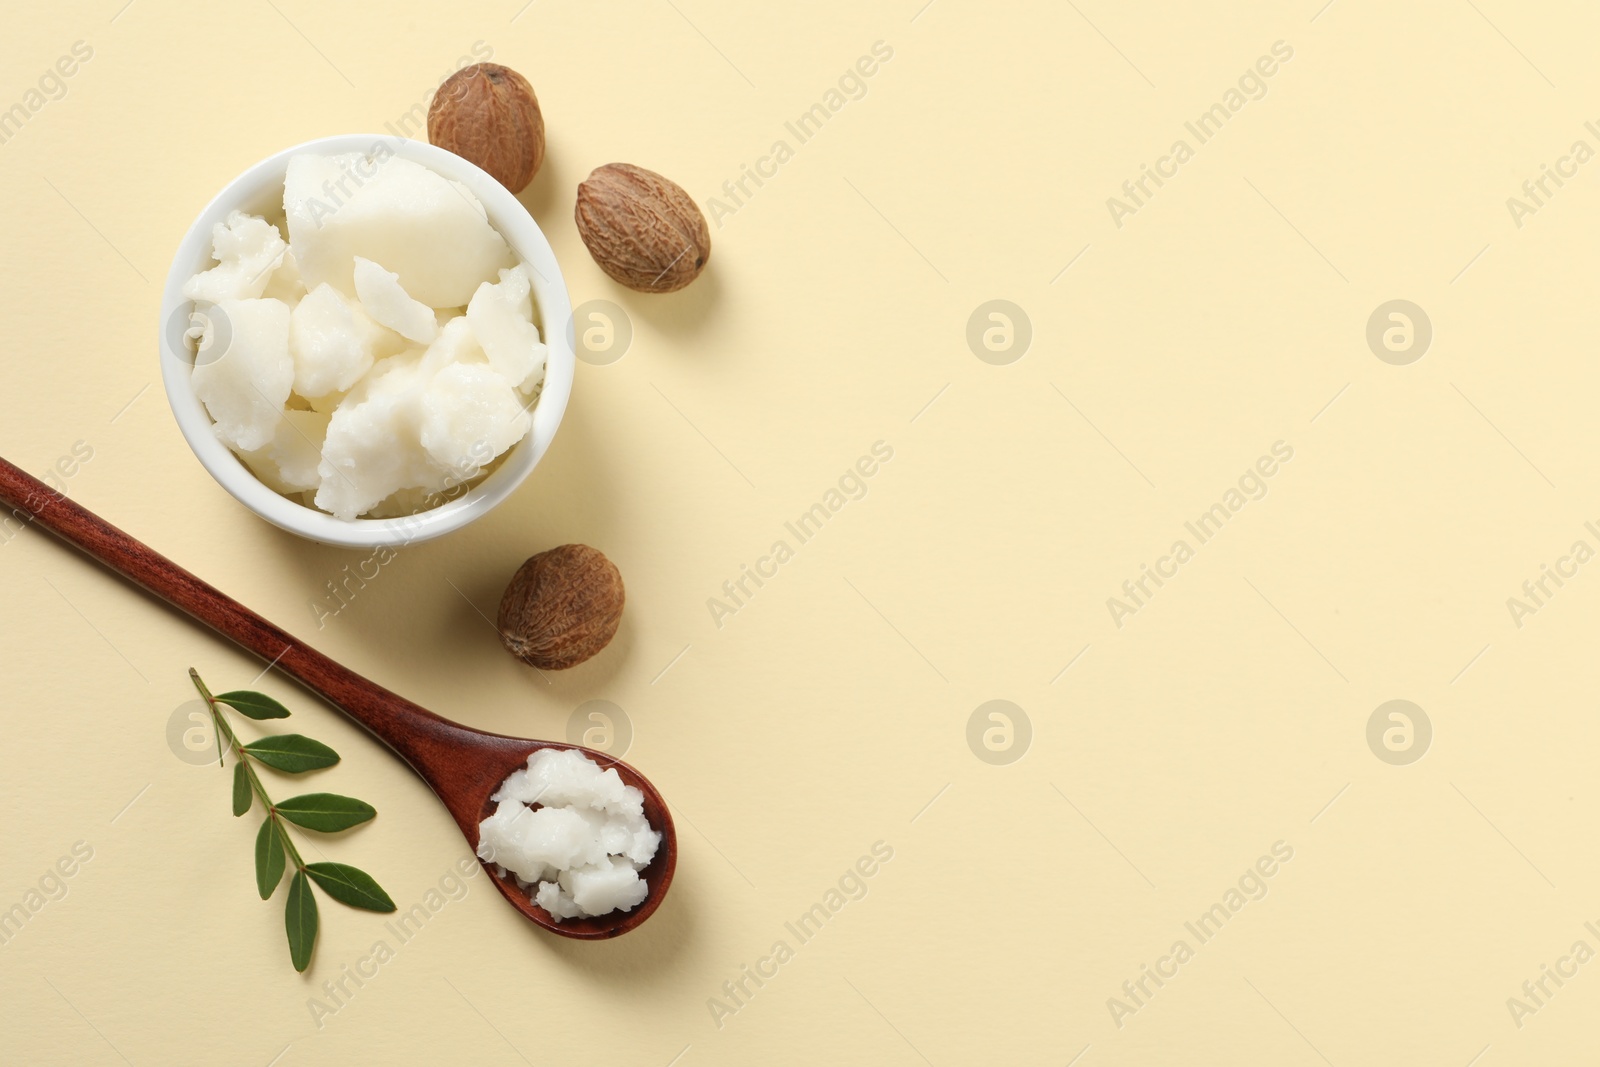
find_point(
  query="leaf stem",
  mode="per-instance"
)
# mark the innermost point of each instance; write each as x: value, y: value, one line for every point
x: 211, y: 704
x: 293, y: 754
x: 225, y: 731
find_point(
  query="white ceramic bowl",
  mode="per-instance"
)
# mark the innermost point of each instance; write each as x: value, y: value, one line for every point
x: 259, y: 190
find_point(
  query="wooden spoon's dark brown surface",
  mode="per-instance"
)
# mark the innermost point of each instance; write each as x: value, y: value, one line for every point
x: 461, y: 765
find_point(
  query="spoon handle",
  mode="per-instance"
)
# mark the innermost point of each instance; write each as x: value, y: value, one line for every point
x: 418, y: 736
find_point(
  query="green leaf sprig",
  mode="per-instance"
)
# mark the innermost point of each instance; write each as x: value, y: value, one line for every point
x: 324, y: 812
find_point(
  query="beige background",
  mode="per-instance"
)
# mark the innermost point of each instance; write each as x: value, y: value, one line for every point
x: 831, y: 712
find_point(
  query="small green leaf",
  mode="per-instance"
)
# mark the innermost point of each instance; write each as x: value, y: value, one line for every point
x: 292, y: 753
x: 300, y: 921
x: 255, y: 705
x: 327, y: 812
x: 350, y: 885
x: 269, y: 857
x: 241, y: 790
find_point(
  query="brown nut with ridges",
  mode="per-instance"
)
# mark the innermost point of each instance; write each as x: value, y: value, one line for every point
x: 487, y: 114
x: 562, y: 607
x: 642, y: 229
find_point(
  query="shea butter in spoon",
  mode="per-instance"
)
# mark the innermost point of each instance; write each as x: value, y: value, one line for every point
x: 573, y: 835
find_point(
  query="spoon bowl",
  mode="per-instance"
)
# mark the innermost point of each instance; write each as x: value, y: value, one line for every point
x: 462, y: 766
x: 657, y: 875
x: 488, y: 760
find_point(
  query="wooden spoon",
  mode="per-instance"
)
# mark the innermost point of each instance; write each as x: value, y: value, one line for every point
x: 461, y: 765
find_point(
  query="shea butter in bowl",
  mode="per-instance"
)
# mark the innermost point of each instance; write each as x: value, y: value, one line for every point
x: 367, y: 341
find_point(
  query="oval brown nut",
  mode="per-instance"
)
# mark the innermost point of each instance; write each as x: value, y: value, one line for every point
x: 487, y: 114
x: 643, y: 230
x: 561, y: 607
